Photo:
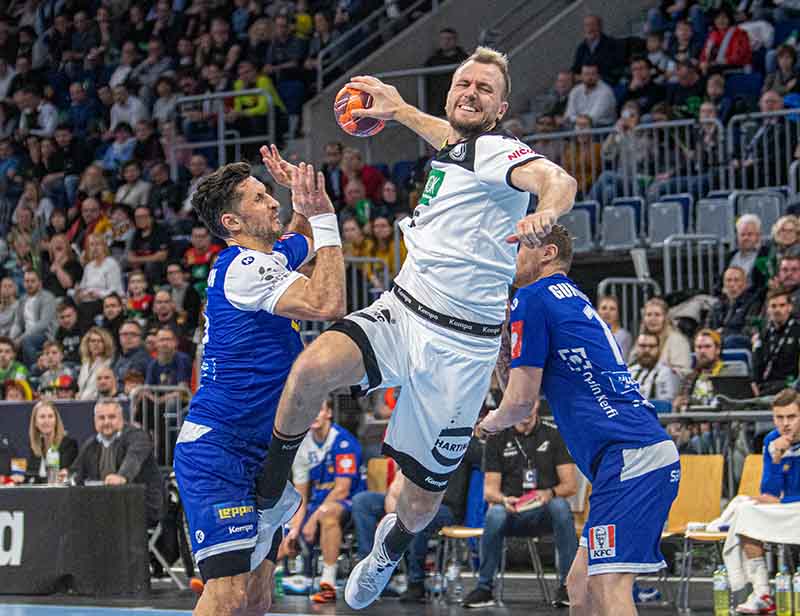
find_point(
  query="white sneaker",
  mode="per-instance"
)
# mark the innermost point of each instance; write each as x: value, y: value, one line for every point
x: 756, y: 605
x: 370, y: 576
x: 271, y: 520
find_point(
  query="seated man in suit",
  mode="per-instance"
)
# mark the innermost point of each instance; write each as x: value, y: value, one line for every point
x: 120, y: 454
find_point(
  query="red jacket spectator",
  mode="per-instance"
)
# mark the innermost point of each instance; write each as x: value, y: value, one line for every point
x: 353, y: 166
x: 726, y: 45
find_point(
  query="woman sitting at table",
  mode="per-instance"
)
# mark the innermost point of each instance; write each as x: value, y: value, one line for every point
x: 47, y: 430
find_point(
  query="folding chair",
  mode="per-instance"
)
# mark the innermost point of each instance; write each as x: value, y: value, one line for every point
x: 153, y: 536
x: 538, y: 570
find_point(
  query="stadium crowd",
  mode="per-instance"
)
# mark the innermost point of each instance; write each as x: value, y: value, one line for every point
x: 105, y: 263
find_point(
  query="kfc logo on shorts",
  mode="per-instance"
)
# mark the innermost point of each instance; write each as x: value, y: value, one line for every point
x: 516, y: 339
x: 602, y: 541
x: 345, y: 464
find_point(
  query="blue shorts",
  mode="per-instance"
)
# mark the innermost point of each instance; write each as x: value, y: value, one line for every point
x: 631, y: 497
x: 216, y: 474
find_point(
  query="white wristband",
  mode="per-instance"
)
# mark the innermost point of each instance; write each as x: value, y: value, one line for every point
x: 325, y: 229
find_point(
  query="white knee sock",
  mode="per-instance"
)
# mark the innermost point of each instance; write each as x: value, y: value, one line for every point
x: 329, y: 574
x: 756, y: 571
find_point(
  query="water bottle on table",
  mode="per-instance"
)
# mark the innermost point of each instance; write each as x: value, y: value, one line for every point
x: 53, y: 464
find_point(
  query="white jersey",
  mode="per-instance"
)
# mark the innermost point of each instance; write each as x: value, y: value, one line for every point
x: 458, y: 260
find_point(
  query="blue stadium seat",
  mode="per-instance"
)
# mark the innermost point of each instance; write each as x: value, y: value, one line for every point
x: 784, y: 29
x: 618, y: 229
x: 718, y: 194
x: 401, y: 172
x: 578, y: 223
x: 383, y: 168
x: 637, y: 203
x: 664, y: 218
x: 593, y: 208
x: 747, y: 85
x: 715, y: 217
x: 687, y: 203
x: 742, y: 355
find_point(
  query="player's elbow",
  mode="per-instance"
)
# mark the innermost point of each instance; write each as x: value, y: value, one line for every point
x: 334, y: 310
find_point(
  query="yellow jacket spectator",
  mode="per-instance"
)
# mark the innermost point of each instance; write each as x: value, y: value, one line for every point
x: 254, y: 105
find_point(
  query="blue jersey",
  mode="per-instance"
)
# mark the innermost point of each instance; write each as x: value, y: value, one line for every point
x: 248, y: 351
x: 319, y: 464
x: 595, y: 401
x: 781, y: 480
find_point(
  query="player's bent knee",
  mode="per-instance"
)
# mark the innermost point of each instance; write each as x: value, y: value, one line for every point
x: 228, y: 595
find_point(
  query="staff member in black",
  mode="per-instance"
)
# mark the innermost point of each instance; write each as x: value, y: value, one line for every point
x: 530, y: 456
x: 777, y: 349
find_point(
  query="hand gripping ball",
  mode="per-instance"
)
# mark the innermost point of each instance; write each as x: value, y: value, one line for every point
x: 349, y: 99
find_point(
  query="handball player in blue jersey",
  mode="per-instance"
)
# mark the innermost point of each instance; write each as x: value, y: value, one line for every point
x: 561, y: 345
x: 250, y: 343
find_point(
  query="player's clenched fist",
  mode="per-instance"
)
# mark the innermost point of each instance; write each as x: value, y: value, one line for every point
x: 533, y: 228
x: 308, y: 192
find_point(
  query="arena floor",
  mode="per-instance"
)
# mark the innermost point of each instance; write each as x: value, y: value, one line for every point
x: 168, y: 602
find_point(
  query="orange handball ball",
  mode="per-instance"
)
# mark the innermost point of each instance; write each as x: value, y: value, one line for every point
x: 349, y: 99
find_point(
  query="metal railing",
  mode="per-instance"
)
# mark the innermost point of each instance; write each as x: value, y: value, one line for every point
x: 159, y: 410
x: 216, y: 100
x: 518, y: 22
x: 692, y: 261
x: 358, y: 41
x: 631, y: 294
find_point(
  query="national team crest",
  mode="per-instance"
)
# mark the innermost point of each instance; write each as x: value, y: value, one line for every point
x: 459, y: 153
x: 603, y: 541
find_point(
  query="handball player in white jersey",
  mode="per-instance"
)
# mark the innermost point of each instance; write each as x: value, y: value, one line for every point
x: 436, y: 334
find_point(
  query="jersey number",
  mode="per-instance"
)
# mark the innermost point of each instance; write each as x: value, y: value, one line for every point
x: 591, y: 313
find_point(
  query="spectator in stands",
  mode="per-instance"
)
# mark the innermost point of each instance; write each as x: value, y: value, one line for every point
x: 559, y: 96
x: 119, y: 454
x: 101, y: 276
x: 121, y: 149
x: 37, y: 115
x: 353, y: 168
x: 7, y: 74
x: 356, y: 204
x: 545, y: 145
x: 113, y: 315
x: 327, y: 474
x: 735, y: 306
x: 749, y: 252
x: 168, y: 26
x: 674, y: 348
x: 8, y: 305
x: 657, y: 381
x: 696, y: 387
x: 199, y: 257
x: 224, y: 49
x: 135, y: 191
x: 776, y: 349
x: 641, y: 88
x: 165, y: 196
x: 592, y: 97
x: 149, y: 245
x: 147, y: 152
x: 186, y: 299
x: 83, y: 111
x: 250, y: 112
x: 780, y: 483
x: 93, y: 184
x: 448, y: 53
x: 69, y: 333
x: 10, y: 368
x: 686, y: 94
x: 599, y: 50
x: 785, y: 243
x: 727, y: 46
x: 52, y: 361
x: 46, y: 431
x: 165, y: 314
x: 198, y: 170
x: 107, y: 383
x: 516, y: 462
x: 140, y: 301
x: 630, y: 152
x: 715, y: 93
x: 170, y: 366
x: 129, y: 58
x: 63, y: 271
x: 608, y: 309
x: 384, y: 248
x: 663, y: 65
x: 97, y: 351
x: 127, y: 109
x: 148, y: 71
x: 788, y: 278
x: 166, y: 103
x: 334, y: 181
x: 784, y: 79
x: 35, y: 314
x: 132, y: 354
x: 17, y: 391
x: 764, y: 159
x: 582, y: 157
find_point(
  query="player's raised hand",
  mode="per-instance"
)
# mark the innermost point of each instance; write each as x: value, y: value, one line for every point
x: 279, y: 169
x: 309, y: 197
x: 386, y: 100
x: 533, y: 228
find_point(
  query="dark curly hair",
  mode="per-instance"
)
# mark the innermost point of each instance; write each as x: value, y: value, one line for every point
x: 219, y: 193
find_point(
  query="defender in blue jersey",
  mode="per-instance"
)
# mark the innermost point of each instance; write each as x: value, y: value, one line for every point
x: 254, y: 293
x: 560, y: 344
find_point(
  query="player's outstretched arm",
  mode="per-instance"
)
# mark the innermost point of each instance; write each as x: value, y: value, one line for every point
x: 321, y: 297
x: 521, y: 394
x: 387, y: 104
x: 556, y: 190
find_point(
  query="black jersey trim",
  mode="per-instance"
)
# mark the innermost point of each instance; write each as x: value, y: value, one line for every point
x: 519, y: 164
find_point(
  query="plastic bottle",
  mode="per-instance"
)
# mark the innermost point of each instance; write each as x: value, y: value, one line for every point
x: 722, y: 592
x: 455, y: 589
x: 783, y: 592
x: 279, y: 582
x: 792, y: 40
x: 53, y: 464
x: 796, y: 591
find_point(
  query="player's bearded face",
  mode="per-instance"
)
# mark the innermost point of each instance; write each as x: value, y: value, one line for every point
x: 474, y: 102
x: 262, y: 221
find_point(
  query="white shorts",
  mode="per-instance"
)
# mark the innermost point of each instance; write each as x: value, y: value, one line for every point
x: 444, y: 376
